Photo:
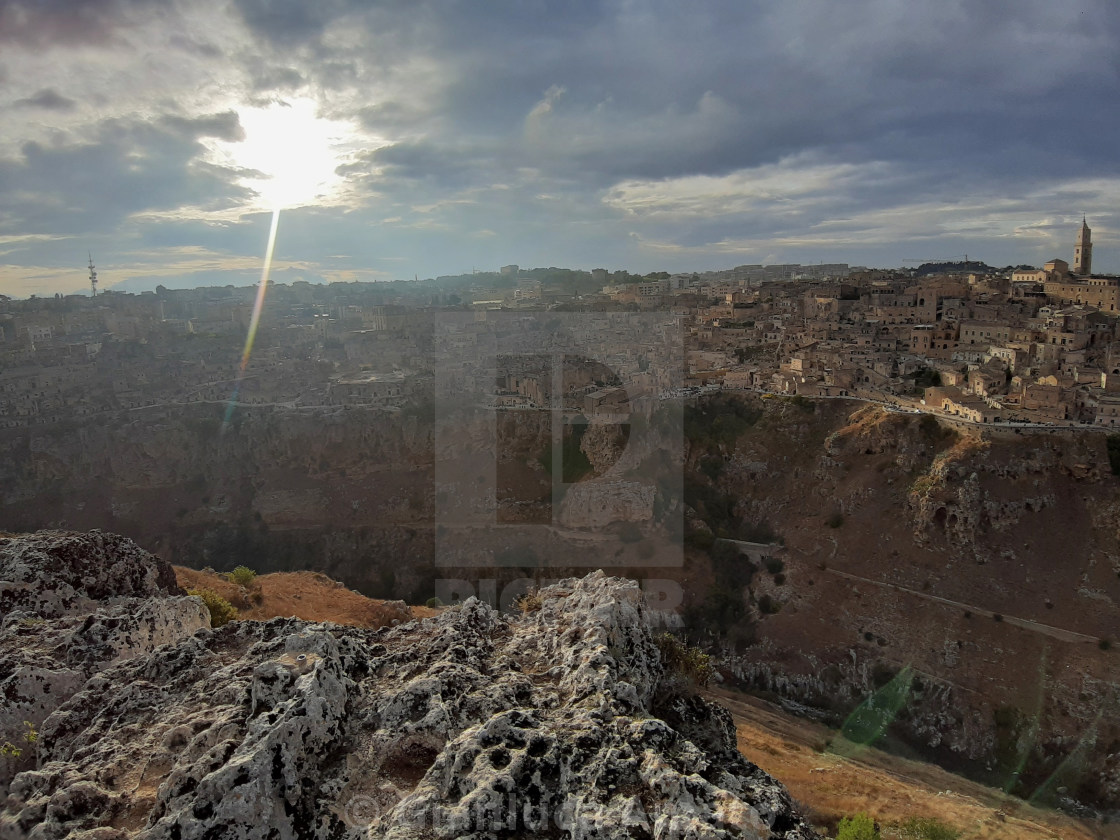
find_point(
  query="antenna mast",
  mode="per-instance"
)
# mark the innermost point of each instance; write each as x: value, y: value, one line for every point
x: 92, y: 277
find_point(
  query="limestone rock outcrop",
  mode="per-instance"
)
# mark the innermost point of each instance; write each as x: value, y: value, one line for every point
x: 596, y: 504
x: 71, y: 605
x: 560, y: 722
x: 604, y: 444
x: 55, y: 573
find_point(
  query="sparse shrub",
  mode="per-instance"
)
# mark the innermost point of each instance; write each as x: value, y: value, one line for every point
x: 718, y: 422
x: 802, y: 402
x: 768, y: 606
x: 530, y: 602
x: 434, y: 603
x: 926, y: 828
x: 835, y: 521
x: 1105, y: 644
x: 780, y: 579
x: 30, y: 737
x: 857, y: 827
x: 759, y: 532
x: 242, y: 576
x: 882, y: 673
x: 997, y: 617
x: 712, y: 467
x: 774, y: 565
x: 922, y: 485
x: 687, y: 661
x: 721, y: 610
x: 221, y: 610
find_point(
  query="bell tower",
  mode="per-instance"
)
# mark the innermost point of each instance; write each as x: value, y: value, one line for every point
x: 1083, y: 251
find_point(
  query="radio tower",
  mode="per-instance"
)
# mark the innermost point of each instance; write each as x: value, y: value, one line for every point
x: 92, y: 278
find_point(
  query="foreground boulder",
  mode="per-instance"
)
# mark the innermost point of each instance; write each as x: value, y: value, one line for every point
x: 71, y: 605
x: 561, y: 722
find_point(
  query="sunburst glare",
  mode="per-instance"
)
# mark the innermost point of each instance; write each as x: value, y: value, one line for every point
x: 291, y: 153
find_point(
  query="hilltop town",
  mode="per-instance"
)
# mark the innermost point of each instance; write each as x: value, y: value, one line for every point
x: 1025, y: 345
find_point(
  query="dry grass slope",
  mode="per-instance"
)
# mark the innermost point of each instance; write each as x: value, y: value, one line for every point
x: 890, y: 789
x: 307, y: 595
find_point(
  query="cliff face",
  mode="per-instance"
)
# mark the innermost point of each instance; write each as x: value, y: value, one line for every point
x: 561, y: 722
x: 349, y: 487
x: 986, y: 562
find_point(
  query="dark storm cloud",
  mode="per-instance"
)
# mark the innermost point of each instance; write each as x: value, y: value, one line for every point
x: 609, y: 132
x: 47, y: 99
x: 274, y: 77
x: 860, y: 81
x: 129, y: 166
x: 445, y: 165
x: 224, y: 126
x: 35, y: 23
x: 289, y: 22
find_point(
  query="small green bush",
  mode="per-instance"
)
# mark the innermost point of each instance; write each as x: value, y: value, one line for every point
x: 929, y: 425
x: 30, y: 736
x: 712, y: 467
x: 768, y: 606
x: 1105, y: 644
x: 858, y: 827
x: 434, y: 603
x: 926, y: 828
x: 242, y: 576
x: 690, y: 662
x: 835, y: 521
x: 774, y: 565
x: 221, y: 610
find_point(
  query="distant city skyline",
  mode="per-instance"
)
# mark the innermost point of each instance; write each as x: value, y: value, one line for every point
x: 421, y: 139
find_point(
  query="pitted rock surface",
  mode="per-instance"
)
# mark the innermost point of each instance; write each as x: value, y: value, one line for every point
x: 56, y: 573
x: 472, y: 724
x: 71, y: 605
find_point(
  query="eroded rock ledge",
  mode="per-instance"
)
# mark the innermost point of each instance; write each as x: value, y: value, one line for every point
x: 558, y: 723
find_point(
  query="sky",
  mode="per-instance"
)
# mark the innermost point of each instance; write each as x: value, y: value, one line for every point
x: 404, y: 138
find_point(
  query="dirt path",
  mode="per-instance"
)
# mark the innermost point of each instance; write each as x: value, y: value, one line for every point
x: 1045, y: 629
x: 890, y: 788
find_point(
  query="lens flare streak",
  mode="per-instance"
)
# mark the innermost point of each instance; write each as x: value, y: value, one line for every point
x: 258, y: 306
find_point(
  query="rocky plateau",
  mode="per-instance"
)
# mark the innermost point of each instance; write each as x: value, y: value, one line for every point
x: 564, y: 720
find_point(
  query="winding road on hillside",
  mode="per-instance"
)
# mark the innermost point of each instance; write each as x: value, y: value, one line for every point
x: 1058, y: 633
